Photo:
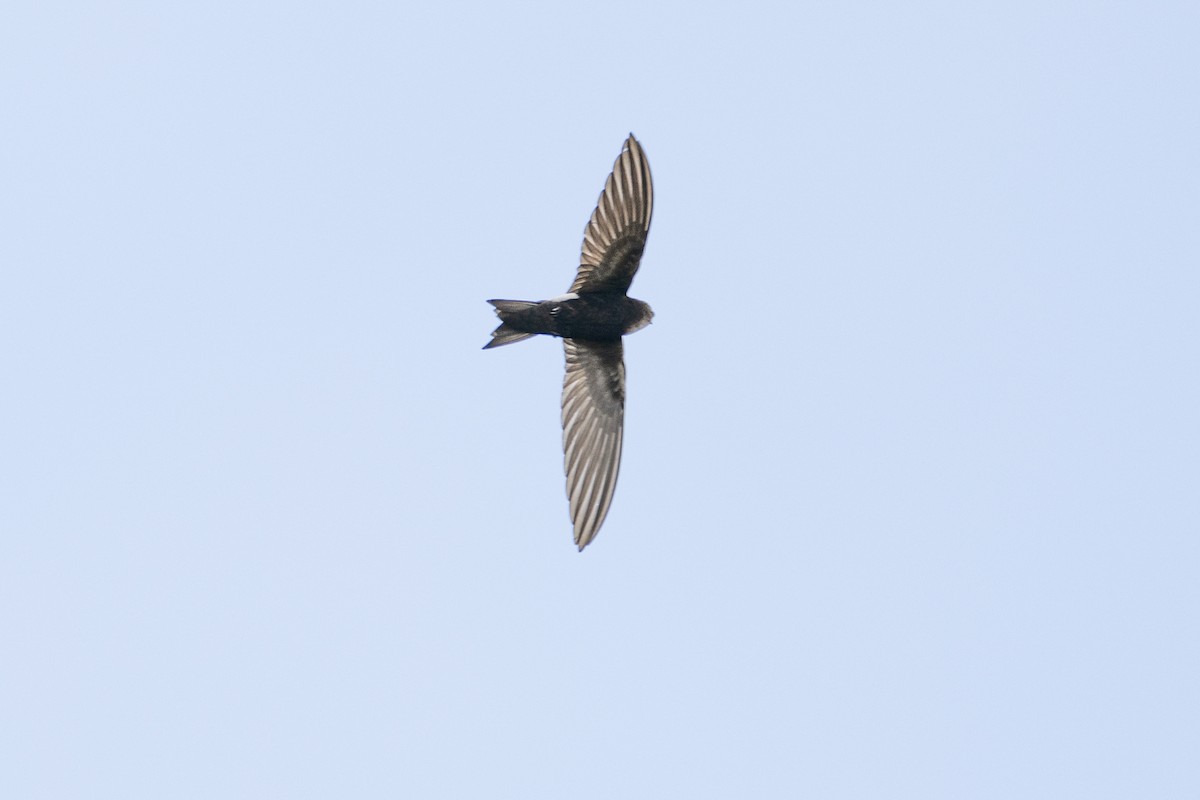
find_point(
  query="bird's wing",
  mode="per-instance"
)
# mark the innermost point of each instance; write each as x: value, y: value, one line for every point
x: 593, y: 418
x: 616, y: 234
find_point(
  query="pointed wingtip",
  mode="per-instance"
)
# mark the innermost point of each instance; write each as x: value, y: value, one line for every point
x: 586, y: 540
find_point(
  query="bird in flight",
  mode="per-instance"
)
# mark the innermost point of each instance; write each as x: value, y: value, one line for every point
x: 591, y: 318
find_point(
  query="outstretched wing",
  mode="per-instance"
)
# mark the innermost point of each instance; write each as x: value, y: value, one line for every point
x: 616, y: 234
x: 593, y: 418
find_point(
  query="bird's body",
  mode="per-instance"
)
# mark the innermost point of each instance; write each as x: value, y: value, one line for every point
x: 591, y: 319
x: 596, y: 316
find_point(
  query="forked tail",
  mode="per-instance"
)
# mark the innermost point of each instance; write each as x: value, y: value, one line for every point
x: 506, y: 333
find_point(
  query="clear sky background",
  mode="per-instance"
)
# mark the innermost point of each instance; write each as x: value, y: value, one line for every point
x: 908, y: 506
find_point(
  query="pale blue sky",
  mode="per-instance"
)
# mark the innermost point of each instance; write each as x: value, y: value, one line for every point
x: 908, y: 506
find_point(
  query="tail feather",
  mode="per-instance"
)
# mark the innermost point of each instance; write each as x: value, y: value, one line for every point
x: 508, y: 306
x: 506, y: 334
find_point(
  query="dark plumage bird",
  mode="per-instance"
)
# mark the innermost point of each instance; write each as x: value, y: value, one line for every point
x: 591, y: 319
